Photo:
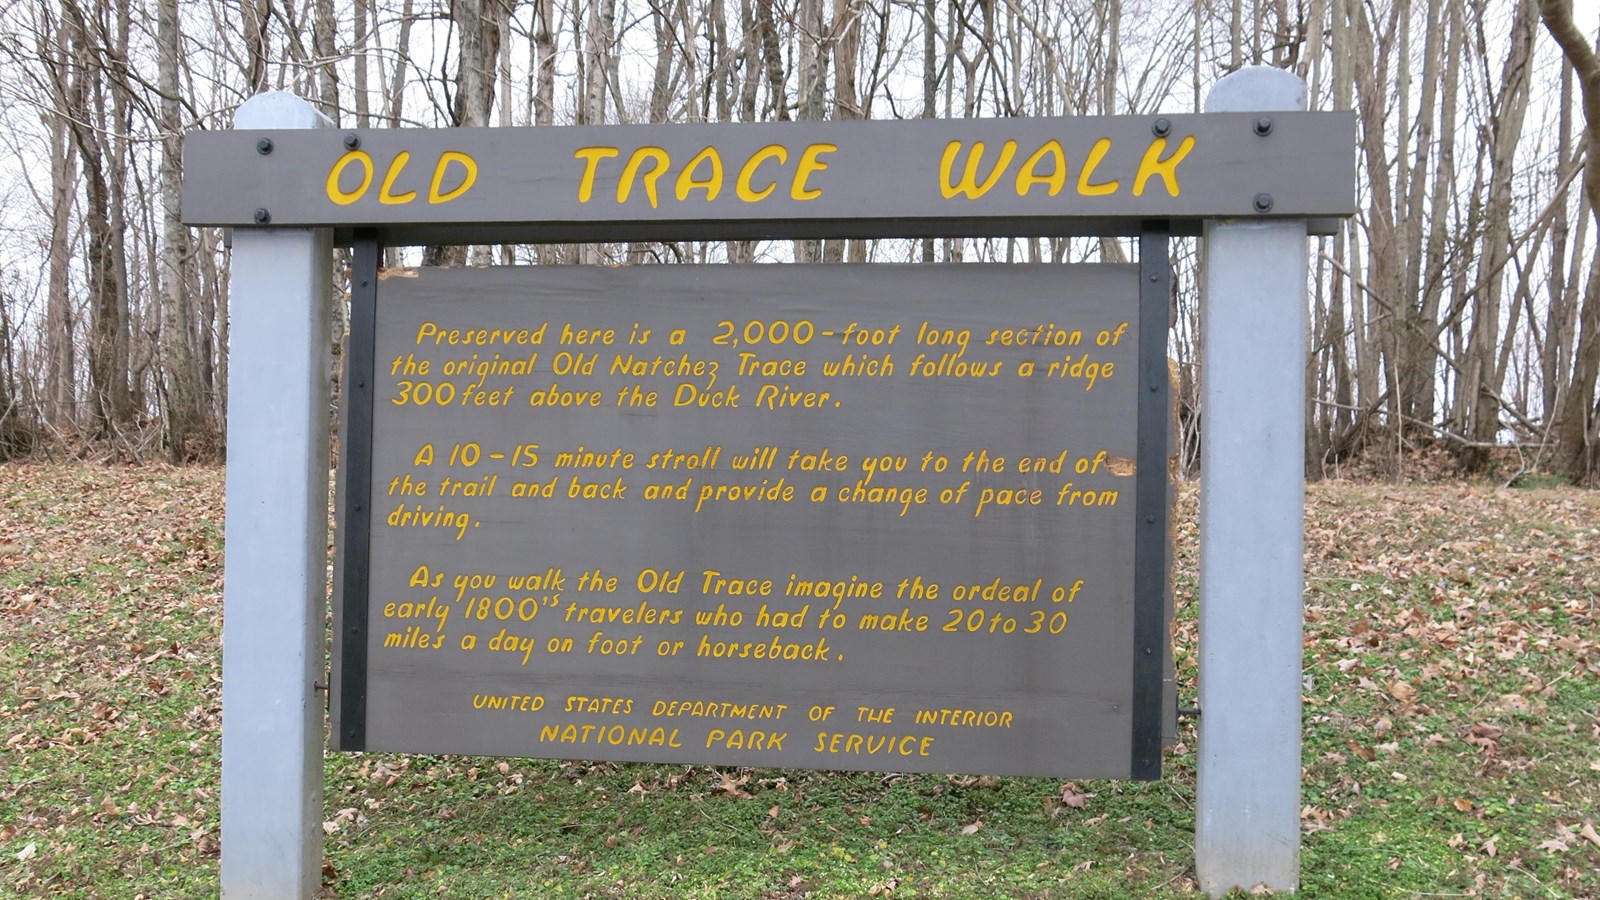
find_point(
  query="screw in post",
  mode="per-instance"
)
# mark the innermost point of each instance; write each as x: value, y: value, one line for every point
x: 1162, y: 127
x: 1263, y: 126
x: 262, y: 216
x: 264, y: 146
x: 352, y: 142
x: 1263, y: 203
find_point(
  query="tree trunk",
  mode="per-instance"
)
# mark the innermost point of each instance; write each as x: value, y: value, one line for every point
x: 1484, y: 374
x: 187, y: 407
x: 812, y: 34
x: 323, y: 24
x: 1578, y: 419
x: 256, y: 15
x: 478, y: 33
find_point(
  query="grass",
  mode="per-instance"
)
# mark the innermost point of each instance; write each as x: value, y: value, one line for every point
x: 1452, y: 735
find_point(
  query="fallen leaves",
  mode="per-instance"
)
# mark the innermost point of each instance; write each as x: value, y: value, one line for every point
x: 1485, y: 737
x: 1403, y: 692
x: 1072, y: 797
x: 1554, y: 845
x: 1448, y: 632
x: 1417, y: 598
x: 732, y: 786
x: 1566, y: 834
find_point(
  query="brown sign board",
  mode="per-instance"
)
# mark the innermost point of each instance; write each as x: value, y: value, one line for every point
x: 1075, y: 175
x: 840, y: 517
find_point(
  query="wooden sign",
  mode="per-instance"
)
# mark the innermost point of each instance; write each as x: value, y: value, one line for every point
x: 840, y: 517
x: 1025, y: 175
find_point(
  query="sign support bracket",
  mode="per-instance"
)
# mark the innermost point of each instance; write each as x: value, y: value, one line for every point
x: 1151, y: 554
x: 355, y: 477
x: 276, y: 549
x: 1252, y: 521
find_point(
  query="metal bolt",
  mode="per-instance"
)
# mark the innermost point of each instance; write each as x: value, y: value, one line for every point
x: 1150, y: 519
x: 352, y: 142
x: 264, y: 146
x: 1263, y: 203
x: 1154, y: 278
x: 1162, y: 127
x: 1264, y: 126
x: 262, y: 216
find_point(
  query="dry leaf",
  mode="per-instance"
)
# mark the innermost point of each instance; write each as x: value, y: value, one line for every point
x: 973, y: 828
x: 1588, y: 834
x: 1403, y: 692
x: 1071, y: 796
x: 733, y: 787
x: 1485, y: 737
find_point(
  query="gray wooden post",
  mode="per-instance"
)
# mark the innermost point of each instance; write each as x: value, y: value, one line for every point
x: 1247, y: 826
x: 274, y: 593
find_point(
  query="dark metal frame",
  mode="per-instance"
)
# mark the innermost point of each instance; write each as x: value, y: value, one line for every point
x: 355, y: 476
x: 1151, y: 562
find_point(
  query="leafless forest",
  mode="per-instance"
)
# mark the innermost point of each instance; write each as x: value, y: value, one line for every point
x: 1460, y: 309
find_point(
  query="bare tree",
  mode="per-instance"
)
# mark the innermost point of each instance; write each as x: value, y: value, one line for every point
x: 1578, y: 419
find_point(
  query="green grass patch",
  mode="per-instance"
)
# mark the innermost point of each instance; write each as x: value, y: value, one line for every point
x: 1451, y: 736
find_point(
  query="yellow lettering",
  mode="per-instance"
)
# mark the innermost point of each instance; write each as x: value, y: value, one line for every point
x: 591, y: 157
x: 808, y: 164
x: 712, y: 186
x: 1057, y: 179
x: 968, y: 184
x: 385, y: 194
x: 1153, y: 164
x: 468, y: 165
x: 748, y: 171
x: 334, y: 192
x: 1101, y: 148
x: 631, y: 171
